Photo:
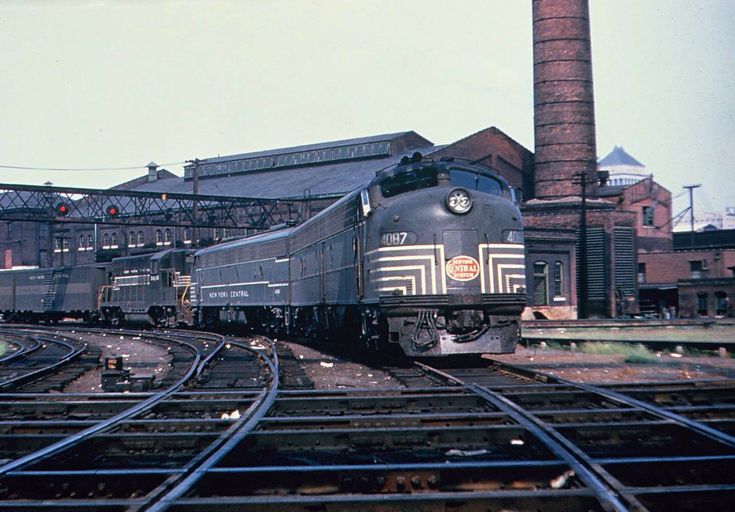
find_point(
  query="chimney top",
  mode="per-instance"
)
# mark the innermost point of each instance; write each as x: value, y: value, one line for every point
x: 152, y: 171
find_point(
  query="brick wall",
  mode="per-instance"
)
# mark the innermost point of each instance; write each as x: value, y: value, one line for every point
x: 495, y: 149
x: 706, y: 298
x: 670, y: 267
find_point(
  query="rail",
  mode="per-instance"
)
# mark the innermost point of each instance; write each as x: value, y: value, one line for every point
x: 206, y: 461
x: 108, y: 423
x: 633, y: 452
x: 74, y: 351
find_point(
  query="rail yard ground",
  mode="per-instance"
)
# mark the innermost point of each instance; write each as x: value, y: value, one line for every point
x: 705, y: 333
x: 591, y: 352
x: 605, y: 352
x: 472, y: 436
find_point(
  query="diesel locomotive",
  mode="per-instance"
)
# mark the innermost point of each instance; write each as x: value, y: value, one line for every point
x: 427, y: 257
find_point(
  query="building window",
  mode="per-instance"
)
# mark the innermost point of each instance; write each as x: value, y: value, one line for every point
x: 106, y: 241
x: 702, y: 306
x: 540, y: 284
x: 82, y: 243
x: 132, y: 239
x: 90, y: 243
x: 559, y: 279
x: 141, y: 239
x: 159, y: 237
x: 721, y: 303
x: 113, y: 241
x: 648, y: 215
x: 216, y: 233
x: 65, y: 244
x: 167, y: 237
x: 187, y: 235
x: 10, y: 231
x: 641, y: 273
x: 696, y: 269
x: 57, y: 244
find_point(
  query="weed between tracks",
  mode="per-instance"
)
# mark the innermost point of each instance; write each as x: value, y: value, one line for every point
x: 634, y: 354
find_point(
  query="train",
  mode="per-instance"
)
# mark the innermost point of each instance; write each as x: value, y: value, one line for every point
x: 427, y: 259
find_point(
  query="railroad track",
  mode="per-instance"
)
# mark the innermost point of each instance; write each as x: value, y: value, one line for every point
x: 663, y: 446
x: 489, y: 437
x: 43, y: 361
x: 124, y: 451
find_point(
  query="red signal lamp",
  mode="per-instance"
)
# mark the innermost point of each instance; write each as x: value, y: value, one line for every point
x: 112, y: 211
x: 63, y: 209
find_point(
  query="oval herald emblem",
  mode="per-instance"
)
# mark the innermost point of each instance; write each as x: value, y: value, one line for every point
x: 463, y: 268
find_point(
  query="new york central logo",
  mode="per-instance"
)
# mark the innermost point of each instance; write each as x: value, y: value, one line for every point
x: 463, y: 268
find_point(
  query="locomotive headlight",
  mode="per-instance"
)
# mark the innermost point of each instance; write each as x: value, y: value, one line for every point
x: 459, y: 201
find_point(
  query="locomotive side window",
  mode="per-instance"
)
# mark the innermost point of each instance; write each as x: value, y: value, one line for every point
x: 409, y: 181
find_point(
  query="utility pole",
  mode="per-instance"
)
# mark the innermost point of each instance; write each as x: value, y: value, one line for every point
x: 582, y: 288
x: 691, y: 208
x: 195, y: 205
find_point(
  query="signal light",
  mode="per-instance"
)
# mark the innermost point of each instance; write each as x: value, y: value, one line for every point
x: 112, y: 211
x: 63, y: 209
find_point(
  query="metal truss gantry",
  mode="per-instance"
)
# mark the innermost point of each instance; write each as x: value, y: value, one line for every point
x: 126, y: 207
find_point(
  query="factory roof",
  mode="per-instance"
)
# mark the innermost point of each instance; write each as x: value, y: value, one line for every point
x: 324, y: 169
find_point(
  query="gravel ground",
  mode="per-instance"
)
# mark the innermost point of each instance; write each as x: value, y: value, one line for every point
x: 331, y: 372
x: 328, y: 371
x: 142, y: 358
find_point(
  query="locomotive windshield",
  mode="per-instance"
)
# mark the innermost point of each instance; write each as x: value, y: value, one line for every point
x: 418, y: 178
x: 474, y: 181
x: 409, y: 181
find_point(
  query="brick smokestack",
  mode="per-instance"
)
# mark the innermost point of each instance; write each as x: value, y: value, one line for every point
x: 564, y: 110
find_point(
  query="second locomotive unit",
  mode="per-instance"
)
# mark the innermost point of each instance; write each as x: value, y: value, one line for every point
x: 429, y: 257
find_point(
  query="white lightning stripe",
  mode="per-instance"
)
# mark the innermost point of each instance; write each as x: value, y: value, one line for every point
x: 502, y: 268
x: 491, y: 263
x: 421, y: 268
x: 432, y: 257
x: 508, y: 278
x: 442, y: 270
x: 432, y: 263
x: 411, y: 279
x: 503, y: 246
x: 400, y: 248
x: 394, y: 288
x: 482, y: 269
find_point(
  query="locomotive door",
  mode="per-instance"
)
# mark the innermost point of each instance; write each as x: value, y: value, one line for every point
x: 461, y: 255
x: 357, y: 261
x: 322, y: 270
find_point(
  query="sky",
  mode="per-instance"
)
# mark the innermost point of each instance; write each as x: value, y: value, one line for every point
x: 116, y: 84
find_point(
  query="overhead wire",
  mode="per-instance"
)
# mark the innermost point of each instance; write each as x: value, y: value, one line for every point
x: 82, y: 169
